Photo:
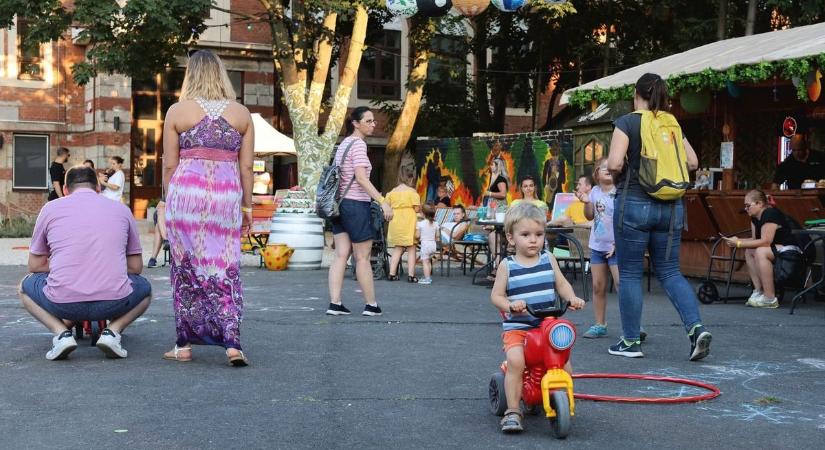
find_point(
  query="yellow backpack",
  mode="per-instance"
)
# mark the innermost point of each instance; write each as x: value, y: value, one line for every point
x: 663, y: 170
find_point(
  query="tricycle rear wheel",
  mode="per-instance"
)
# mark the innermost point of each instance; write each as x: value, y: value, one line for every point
x: 498, y: 398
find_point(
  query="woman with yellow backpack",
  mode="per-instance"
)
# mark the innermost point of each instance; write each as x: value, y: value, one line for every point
x: 650, y: 159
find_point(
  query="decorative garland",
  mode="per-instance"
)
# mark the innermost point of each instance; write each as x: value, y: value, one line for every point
x: 788, y: 69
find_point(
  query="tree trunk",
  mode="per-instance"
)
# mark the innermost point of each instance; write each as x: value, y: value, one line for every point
x: 548, y: 123
x: 751, y: 20
x: 314, y: 150
x: 480, y: 55
x: 722, y: 20
x: 406, y: 121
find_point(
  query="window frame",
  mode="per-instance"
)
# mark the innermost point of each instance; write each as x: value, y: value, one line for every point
x: 22, y: 59
x: 45, y: 186
x: 447, y: 53
x: 369, y: 88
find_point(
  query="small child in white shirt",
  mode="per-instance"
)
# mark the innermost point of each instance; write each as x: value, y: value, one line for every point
x: 426, y: 231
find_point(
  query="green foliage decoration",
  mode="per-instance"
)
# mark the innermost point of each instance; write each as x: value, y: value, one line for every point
x: 716, y: 79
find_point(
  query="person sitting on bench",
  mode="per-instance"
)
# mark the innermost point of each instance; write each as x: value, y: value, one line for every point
x: 85, y: 259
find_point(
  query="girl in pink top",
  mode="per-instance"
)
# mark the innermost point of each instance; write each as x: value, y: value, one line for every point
x: 352, y: 229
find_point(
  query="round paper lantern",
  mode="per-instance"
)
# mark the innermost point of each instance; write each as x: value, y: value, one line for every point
x: 508, y: 5
x: 470, y: 8
x: 434, y: 8
x: 694, y: 102
x: 402, y: 8
x: 814, y: 85
x: 733, y: 90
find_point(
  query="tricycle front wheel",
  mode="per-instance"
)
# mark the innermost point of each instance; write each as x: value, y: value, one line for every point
x: 561, y: 404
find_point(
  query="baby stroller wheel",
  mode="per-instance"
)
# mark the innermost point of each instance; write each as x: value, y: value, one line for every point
x: 707, y: 292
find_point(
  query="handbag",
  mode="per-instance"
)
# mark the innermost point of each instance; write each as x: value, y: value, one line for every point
x: 788, y: 267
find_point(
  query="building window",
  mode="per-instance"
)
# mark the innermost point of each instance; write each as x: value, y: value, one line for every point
x: 31, y: 161
x: 236, y: 77
x: 29, y: 55
x: 587, y: 155
x: 447, y: 71
x: 379, y: 75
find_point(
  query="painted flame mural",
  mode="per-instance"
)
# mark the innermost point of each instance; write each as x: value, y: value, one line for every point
x: 461, y: 165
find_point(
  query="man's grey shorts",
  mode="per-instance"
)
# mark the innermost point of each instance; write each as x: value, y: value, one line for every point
x: 34, y: 283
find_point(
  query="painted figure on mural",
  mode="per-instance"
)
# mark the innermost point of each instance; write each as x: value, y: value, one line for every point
x: 433, y: 176
x: 554, y: 178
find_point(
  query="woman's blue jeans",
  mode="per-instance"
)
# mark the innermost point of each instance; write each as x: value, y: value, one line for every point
x: 645, y: 225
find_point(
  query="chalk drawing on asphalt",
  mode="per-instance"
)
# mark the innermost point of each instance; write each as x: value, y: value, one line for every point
x: 748, y: 412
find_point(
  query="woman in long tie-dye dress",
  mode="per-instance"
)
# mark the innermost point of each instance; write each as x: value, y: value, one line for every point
x: 207, y: 155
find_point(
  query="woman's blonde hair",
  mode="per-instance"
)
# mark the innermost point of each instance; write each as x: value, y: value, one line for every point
x: 501, y: 169
x: 523, y: 211
x: 206, y: 78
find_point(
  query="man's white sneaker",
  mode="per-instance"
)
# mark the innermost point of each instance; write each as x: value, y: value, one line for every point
x: 109, y: 343
x: 62, y: 345
x: 754, y: 295
x: 765, y: 302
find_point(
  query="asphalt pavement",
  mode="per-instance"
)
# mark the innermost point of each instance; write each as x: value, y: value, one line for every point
x: 415, y: 377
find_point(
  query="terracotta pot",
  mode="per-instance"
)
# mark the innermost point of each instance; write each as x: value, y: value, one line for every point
x: 276, y: 256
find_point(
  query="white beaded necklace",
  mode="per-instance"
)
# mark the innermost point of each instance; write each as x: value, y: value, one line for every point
x: 213, y: 108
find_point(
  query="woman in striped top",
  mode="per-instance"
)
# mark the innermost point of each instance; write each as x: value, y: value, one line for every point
x: 531, y: 276
x: 352, y: 230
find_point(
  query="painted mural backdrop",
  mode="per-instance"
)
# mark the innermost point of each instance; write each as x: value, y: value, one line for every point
x: 460, y: 166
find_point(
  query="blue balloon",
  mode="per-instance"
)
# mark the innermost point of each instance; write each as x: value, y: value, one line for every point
x: 508, y: 5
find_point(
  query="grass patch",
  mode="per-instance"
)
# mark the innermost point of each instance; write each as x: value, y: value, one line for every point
x: 18, y: 227
x: 767, y: 400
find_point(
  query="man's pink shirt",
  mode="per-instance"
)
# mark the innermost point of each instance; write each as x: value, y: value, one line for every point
x: 87, y: 238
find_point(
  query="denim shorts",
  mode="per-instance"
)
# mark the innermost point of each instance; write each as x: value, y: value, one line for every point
x: 597, y: 257
x: 34, y: 283
x: 355, y: 220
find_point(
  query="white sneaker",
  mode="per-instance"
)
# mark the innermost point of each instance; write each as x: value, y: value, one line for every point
x: 62, y: 345
x: 754, y: 295
x: 765, y: 302
x: 109, y: 343
x: 425, y: 281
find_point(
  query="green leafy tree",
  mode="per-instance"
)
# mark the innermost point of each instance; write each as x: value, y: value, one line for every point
x: 139, y: 38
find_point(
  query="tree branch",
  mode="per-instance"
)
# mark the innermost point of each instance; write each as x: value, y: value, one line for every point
x: 324, y: 54
x: 356, y: 50
x: 299, y: 39
x: 282, y: 50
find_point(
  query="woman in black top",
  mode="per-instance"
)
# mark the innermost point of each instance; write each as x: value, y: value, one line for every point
x: 642, y: 223
x: 496, y: 191
x: 769, y: 226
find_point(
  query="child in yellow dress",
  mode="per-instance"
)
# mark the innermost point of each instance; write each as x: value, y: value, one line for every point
x: 405, y: 204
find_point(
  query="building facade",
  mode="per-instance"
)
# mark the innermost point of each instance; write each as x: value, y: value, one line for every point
x: 42, y: 109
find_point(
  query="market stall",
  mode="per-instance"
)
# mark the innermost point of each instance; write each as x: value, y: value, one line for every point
x: 739, y: 102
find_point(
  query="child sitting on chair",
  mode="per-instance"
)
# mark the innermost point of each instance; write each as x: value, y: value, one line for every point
x: 529, y: 276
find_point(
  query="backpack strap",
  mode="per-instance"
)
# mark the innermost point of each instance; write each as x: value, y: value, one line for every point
x: 344, y: 158
x: 624, y: 194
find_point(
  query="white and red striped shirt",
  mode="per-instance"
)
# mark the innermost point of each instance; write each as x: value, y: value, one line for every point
x: 357, y: 157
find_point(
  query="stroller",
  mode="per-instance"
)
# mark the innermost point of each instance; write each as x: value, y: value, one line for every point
x: 379, y: 260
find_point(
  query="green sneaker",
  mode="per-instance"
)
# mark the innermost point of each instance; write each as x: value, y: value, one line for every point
x: 596, y: 331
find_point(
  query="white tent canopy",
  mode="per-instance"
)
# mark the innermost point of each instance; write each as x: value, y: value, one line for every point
x: 270, y: 141
x: 721, y: 55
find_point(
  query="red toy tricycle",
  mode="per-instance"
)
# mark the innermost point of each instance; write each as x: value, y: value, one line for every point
x: 91, y: 328
x: 547, y: 385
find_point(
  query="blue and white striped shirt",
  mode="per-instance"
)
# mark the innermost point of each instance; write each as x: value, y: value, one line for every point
x: 534, y: 285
